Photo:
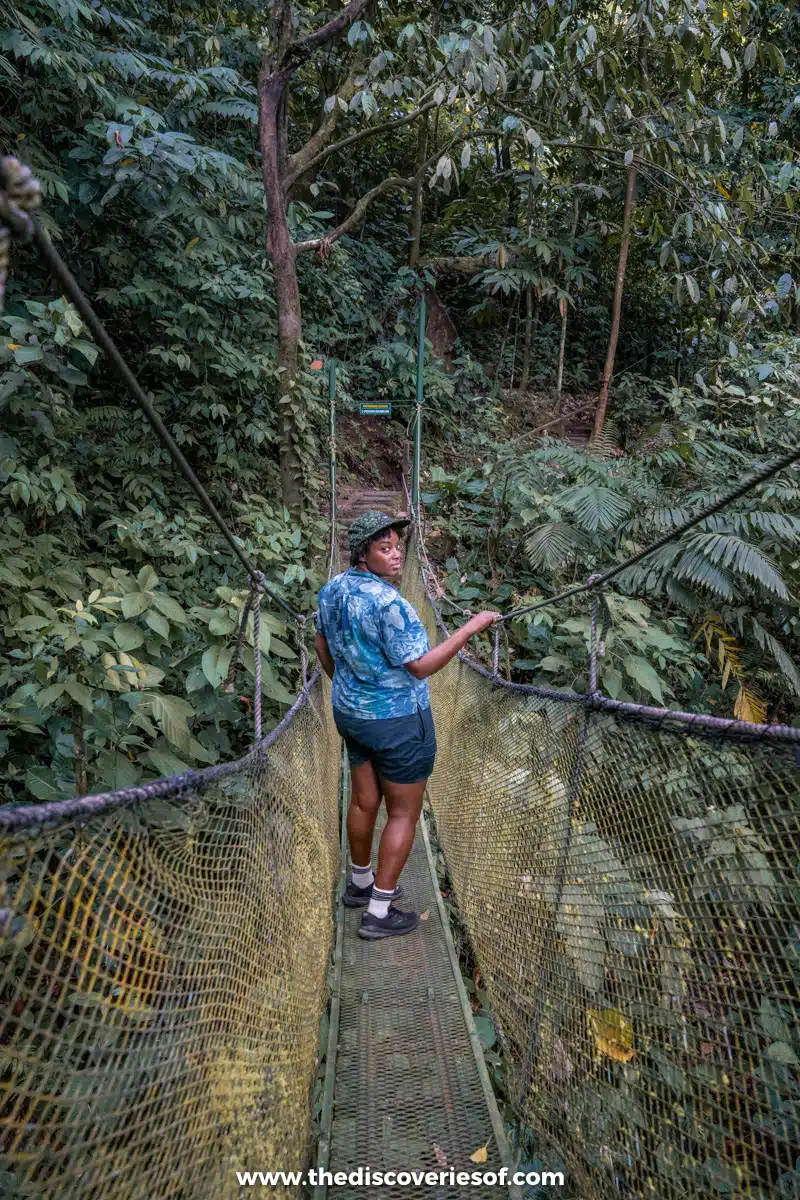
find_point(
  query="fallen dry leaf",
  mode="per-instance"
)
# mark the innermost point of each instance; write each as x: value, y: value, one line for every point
x: 424, y: 916
x: 613, y: 1033
x: 480, y: 1155
x: 441, y: 1157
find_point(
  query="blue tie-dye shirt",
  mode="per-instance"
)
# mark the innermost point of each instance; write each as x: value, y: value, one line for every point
x: 371, y: 631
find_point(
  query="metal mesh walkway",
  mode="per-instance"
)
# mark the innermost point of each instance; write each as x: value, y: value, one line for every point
x: 408, y: 1092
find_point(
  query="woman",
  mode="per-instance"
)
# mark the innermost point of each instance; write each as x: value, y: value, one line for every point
x: 374, y: 647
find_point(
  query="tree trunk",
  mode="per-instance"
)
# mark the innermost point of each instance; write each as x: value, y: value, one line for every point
x: 419, y: 194
x: 526, y: 344
x: 563, y: 343
x: 608, y: 369
x: 272, y: 111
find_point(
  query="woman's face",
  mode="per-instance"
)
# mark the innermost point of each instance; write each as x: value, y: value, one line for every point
x: 384, y: 557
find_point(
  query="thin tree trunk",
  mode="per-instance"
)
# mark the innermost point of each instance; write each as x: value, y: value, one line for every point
x: 563, y: 343
x: 287, y: 292
x: 608, y: 369
x: 81, y: 784
x: 526, y: 345
x: 419, y: 194
x: 528, y: 340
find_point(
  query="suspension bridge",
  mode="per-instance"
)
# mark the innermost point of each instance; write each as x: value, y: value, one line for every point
x: 184, y: 999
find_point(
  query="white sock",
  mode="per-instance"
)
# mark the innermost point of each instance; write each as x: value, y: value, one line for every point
x: 379, y: 904
x: 362, y: 877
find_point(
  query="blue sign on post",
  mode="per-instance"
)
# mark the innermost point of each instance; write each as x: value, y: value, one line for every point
x: 375, y: 410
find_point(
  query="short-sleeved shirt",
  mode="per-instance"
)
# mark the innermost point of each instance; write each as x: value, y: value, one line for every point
x: 371, y: 631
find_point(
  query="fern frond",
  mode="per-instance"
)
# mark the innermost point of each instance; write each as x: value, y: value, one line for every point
x: 101, y: 414
x: 551, y: 545
x: 741, y: 557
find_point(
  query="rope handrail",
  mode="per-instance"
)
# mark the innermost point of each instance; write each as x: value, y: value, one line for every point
x: 19, y: 816
x: 599, y: 580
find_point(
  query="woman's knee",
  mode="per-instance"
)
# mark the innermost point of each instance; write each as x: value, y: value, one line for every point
x: 404, y: 799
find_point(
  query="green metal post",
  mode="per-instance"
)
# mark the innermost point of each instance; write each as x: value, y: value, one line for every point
x: 415, y: 508
x: 332, y: 454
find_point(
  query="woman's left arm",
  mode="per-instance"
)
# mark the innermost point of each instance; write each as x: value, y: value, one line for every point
x: 324, y: 654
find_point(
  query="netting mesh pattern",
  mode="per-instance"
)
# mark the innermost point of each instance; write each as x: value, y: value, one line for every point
x: 163, y: 975
x: 638, y: 925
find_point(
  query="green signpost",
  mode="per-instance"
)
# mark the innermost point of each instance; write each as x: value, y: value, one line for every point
x: 415, y: 511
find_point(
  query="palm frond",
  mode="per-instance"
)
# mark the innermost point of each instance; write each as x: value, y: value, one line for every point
x: 649, y: 575
x: 695, y: 567
x: 595, y: 508
x: 767, y: 642
x: 779, y: 525
x: 551, y: 545
x: 741, y: 557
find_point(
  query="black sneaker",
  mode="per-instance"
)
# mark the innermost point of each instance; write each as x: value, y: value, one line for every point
x: 394, y: 924
x: 356, y: 897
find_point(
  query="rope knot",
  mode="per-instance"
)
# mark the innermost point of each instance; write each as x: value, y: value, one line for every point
x: 259, y: 582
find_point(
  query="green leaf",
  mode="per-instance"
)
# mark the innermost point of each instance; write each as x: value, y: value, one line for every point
x: 134, y: 604
x: 50, y: 694
x: 639, y: 669
x: 215, y: 663
x: 221, y: 625
x: 555, y: 662
x: 128, y: 637
x: 80, y: 693
x: 171, y: 714
x: 782, y: 1052
x: 281, y: 649
x: 170, y: 608
x: 271, y: 686
x: 31, y: 624
x: 88, y: 351
x: 28, y: 354
x: 784, y: 286
x: 772, y: 1023
x: 43, y: 784
x: 158, y: 623
x: 485, y: 1030
x: 161, y: 812
x: 117, y: 770
x: 147, y: 579
x: 612, y: 681
x: 165, y: 762
x: 750, y: 55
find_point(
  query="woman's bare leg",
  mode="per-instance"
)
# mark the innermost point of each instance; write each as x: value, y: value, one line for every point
x: 403, y: 805
x: 365, y: 800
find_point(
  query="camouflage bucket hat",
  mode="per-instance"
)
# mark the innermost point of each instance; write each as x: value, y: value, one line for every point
x: 370, y: 523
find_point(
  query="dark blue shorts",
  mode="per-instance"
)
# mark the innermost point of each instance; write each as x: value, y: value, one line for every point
x: 401, y: 749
